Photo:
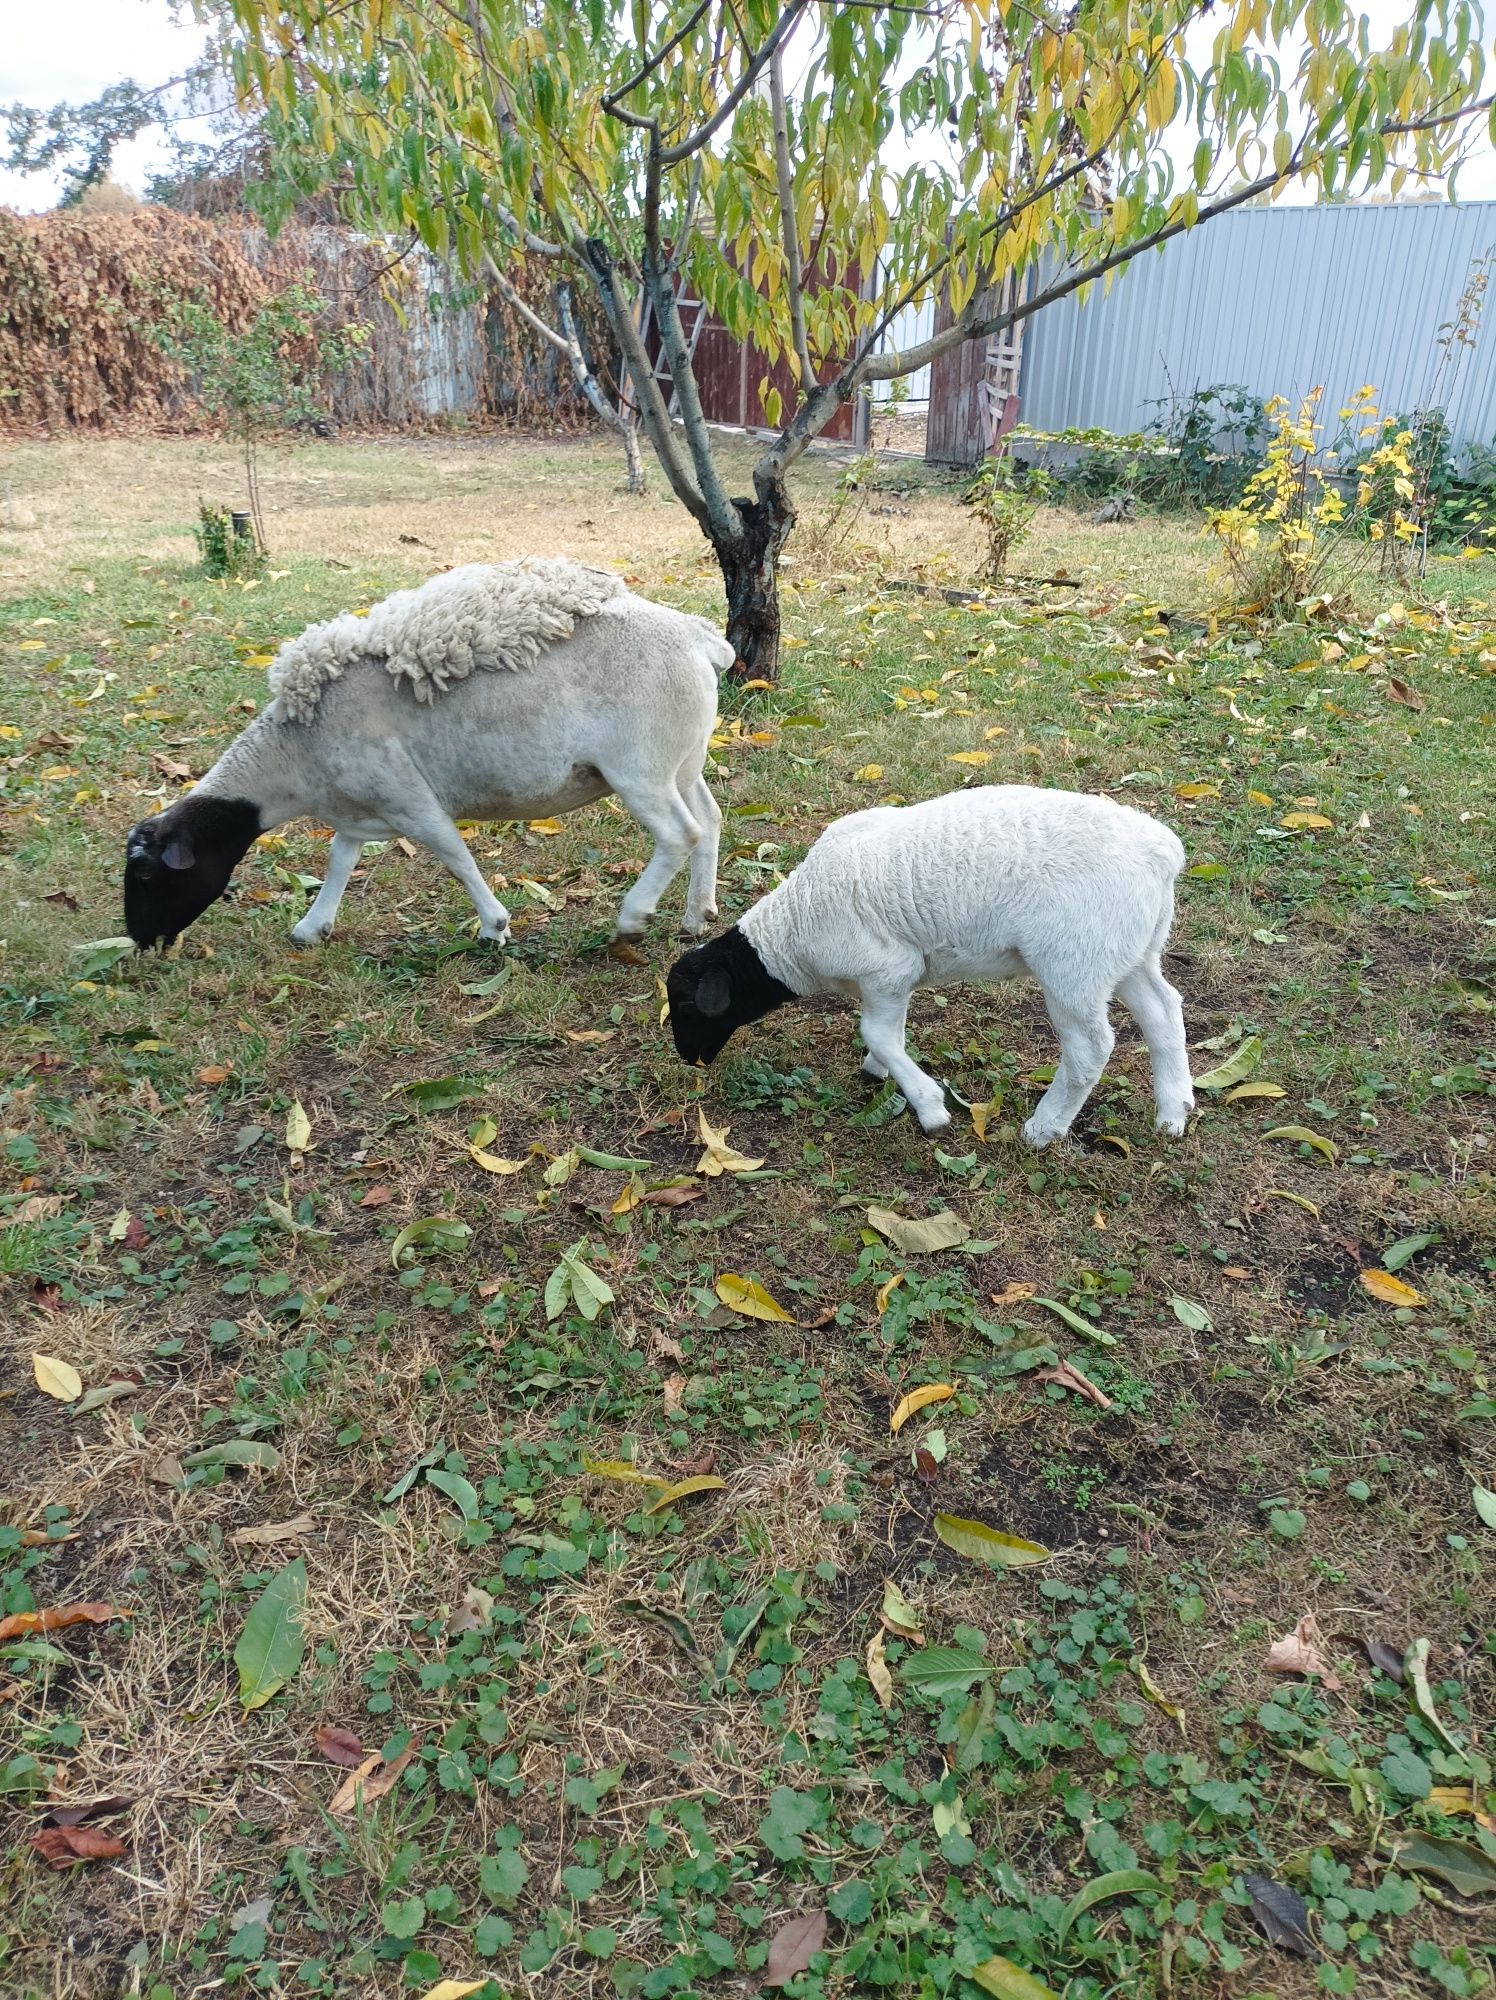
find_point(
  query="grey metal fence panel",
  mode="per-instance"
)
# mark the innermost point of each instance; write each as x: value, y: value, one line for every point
x: 1281, y: 300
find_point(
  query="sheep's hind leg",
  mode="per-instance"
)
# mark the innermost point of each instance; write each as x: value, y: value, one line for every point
x: 701, y: 896
x: 347, y: 850
x: 1086, y: 1040
x: 883, y: 1017
x: 437, y: 833
x: 676, y: 835
x: 1156, y: 1007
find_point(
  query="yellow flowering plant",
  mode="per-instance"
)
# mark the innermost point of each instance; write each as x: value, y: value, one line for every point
x: 1294, y: 538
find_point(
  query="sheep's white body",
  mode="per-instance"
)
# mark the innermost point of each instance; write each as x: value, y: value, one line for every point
x: 988, y: 884
x: 506, y: 691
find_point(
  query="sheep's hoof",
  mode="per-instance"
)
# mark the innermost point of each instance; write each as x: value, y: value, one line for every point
x: 305, y: 936
x: 873, y: 1068
x: 695, y: 927
x: 498, y: 936
x: 936, y: 1122
x: 1172, y: 1123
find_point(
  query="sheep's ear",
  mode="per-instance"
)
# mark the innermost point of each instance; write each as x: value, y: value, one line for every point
x: 179, y: 851
x: 713, y: 992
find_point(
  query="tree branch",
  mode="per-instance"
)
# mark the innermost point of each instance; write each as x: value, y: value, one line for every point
x: 671, y: 156
x: 788, y: 223
x: 596, y: 261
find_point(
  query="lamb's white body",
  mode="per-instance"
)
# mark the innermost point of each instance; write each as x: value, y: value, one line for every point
x: 983, y: 885
x: 444, y: 704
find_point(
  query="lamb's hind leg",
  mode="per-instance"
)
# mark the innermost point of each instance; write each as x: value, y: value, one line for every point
x: 664, y: 814
x: 344, y: 856
x: 1156, y: 1007
x: 1086, y: 1041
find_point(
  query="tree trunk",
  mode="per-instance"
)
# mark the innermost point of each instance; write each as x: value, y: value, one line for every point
x: 750, y: 571
x: 628, y: 424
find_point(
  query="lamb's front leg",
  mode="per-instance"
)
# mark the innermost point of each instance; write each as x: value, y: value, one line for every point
x: 346, y: 852
x: 883, y: 1017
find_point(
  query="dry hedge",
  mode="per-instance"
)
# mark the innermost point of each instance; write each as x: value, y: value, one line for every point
x: 77, y: 290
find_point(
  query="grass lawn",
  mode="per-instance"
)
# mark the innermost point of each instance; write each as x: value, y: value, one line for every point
x: 616, y: 1737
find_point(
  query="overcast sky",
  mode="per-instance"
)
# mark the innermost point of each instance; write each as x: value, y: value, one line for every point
x: 72, y: 49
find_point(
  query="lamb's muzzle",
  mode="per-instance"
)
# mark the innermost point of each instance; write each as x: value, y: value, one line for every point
x: 983, y: 885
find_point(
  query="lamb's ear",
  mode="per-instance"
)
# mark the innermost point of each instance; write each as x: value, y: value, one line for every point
x: 179, y: 851
x: 714, y: 991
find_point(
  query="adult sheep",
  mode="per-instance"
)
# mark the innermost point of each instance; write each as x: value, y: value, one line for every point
x: 498, y: 691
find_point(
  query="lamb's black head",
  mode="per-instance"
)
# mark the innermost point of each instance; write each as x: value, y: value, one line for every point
x: 179, y: 862
x: 716, y: 989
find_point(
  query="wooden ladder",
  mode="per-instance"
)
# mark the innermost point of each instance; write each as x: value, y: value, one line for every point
x: 693, y: 316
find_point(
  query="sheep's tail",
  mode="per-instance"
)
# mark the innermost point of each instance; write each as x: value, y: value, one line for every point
x: 719, y: 654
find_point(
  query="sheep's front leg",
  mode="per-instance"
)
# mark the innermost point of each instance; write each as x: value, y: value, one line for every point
x: 1086, y: 1041
x: 435, y: 831
x: 1157, y: 1009
x: 883, y: 1017
x: 347, y: 850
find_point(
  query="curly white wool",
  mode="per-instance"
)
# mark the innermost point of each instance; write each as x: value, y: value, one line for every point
x: 1075, y: 890
x: 483, y: 616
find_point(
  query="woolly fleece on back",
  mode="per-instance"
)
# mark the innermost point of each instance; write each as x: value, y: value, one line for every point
x: 483, y: 616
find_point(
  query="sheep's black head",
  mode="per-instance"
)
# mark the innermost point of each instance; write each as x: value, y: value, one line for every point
x: 715, y: 990
x: 179, y: 862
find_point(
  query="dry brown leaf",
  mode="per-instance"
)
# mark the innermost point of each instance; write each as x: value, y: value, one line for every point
x: 82, y: 1815
x: 272, y: 1531
x: 719, y: 1157
x: 1011, y: 1294
x: 38, y: 1538
x: 59, y: 1616
x: 673, y: 1388
x: 35, y: 1208
x: 372, y: 1780
x: 879, y: 1677
x: 793, y: 1946
x: 168, y: 1471
x: 1408, y: 696
x: 65, y: 1846
x: 671, y: 1197
x: 376, y: 1197
x: 215, y: 1073
x: 1070, y: 1377
x: 626, y: 953
x: 1298, y: 1652
x: 339, y: 1746
x: 662, y: 1346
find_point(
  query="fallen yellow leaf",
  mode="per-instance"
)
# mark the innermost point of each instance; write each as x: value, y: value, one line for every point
x: 886, y: 1291
x: 1298, y: 1200
x: 1197, y: 791
x: 719, y: 1157
x: 1305, y: 822
x: 1255, y: 1089
x: 868, y: 775
x: 546, y: 826
x: 298, y: 1128
x: 491, y: 1163
x: 1301, y: 1135
x: 56, y: 1378
x: 919, y: 1399
x: 1261, y: 798
x: 1391, y: 1291
x: 750, y: 1299
x: 982, y: 1116
x: 970, y: 757
x: 454, y: 1989
x: 879, y: 1678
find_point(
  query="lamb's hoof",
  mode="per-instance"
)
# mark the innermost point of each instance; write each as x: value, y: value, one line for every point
x: 1039, y: 1136
x: 498, y: 934
x: 1173, y: 1123
x: 695, y: 927
x: 306, y: 935
x: 936, y: 1122
x: 873, y: 1068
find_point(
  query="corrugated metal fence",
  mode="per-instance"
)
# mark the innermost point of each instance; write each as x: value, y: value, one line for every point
x: 1280, y: 300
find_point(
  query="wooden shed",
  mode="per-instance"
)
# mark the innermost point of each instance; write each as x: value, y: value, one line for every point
x: 974, y: 387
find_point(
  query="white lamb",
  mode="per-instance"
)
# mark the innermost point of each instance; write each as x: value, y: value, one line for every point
x: 983, y: 884
x: 494, y: 692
